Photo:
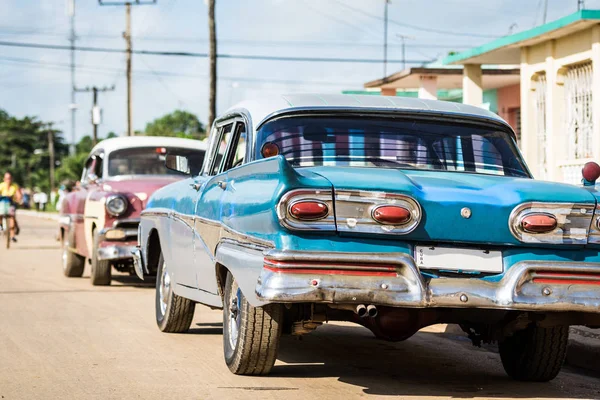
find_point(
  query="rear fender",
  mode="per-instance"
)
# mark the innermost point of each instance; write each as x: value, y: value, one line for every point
x: 245, y: 263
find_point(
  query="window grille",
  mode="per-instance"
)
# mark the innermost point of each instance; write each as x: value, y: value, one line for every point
x: 540, y: 118
x: 579, y: 122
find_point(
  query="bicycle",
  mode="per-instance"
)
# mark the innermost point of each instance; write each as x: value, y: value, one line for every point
x: 5, y: 205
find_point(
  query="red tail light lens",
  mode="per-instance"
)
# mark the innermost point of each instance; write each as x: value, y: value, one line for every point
x: 538, y: 223
x: 269, y: 149
x: 392, y: 215
x: 308, y: 210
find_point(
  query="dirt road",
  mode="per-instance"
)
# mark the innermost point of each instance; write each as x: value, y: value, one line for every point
x: 63, y: 338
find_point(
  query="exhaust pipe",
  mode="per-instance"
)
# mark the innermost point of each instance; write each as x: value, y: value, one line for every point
x: 372, y: 311
x: 361, y: 310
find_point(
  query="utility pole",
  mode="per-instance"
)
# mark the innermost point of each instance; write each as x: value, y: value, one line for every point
x: 385, y: 37
x: 96, y: 113
x: 73, y: 105
x: 127, y: 37
x: 403, y: 39
x: 50, y: 133
x: 212, y: 35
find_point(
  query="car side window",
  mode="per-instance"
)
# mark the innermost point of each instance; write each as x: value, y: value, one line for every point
x: 236, y: 151
x: 87, y: 169
x: 220, y: 147
x: 98, y: 166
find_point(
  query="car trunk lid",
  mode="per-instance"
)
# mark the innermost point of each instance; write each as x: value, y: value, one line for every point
x: 445, y: 196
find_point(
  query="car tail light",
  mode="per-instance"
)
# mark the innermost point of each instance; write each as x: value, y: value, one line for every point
x: 269, y: 149
x: 391, y: 215
x: 309, y: 210
x: 552, y: 223
x: 376, y: 212
x: 566, y: 278
x: 538, y: 223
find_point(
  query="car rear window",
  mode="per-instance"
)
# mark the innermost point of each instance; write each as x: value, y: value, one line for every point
x: 148, y: 160
x: 394, y: 143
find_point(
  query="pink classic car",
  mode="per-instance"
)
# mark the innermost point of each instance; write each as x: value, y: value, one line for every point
x: 99, y: 219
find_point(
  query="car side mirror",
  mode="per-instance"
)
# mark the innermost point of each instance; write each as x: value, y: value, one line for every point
x: 590, y: 173
x: 92, y: 178
x: 178, y: 163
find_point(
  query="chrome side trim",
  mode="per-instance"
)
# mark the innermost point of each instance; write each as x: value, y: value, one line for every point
x: 516, y: 291
x: 155, y: 213
x: 573, y: 222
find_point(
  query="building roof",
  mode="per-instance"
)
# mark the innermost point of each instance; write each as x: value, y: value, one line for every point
x: 506, y: 50
x: 262, y: 108
x: 126, y: 142
x: 447, y: 78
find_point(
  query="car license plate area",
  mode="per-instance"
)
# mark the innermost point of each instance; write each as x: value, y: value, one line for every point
x: 458, y: 259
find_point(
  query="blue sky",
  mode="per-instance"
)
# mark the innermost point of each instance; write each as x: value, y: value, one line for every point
x: 36, y: 82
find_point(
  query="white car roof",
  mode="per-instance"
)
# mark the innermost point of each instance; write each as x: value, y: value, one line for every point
x: 127, y: 142
x: 262, y: 107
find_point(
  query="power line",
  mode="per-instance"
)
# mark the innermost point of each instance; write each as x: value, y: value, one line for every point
x: 109, y: 70
x: 256, y: 43
x: 415, y: 27
x: 205, y: 55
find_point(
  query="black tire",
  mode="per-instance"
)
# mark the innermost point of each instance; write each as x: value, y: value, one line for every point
x: 258, y: 332
x: 100, y: 274
x: 535, y: 354
x: 176, y: 313
x: 73, y: 263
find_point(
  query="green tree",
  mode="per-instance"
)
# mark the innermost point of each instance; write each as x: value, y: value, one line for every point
x: 178, y: 123
x: 24, y: 149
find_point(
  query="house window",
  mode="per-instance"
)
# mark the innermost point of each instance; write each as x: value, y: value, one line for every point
x: 579, y: 120
x: 541, y: 91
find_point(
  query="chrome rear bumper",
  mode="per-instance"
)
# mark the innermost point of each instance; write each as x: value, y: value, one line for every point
x: 520, y: 289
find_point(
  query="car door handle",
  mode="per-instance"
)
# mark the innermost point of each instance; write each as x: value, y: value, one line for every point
x: 196, y: 186
x: 222, y: 184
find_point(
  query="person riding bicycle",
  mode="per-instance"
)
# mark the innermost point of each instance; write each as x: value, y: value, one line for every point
x: 10, y: 190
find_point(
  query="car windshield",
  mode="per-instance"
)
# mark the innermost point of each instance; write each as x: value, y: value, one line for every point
x: 394, y: 143
x: 148, y: 160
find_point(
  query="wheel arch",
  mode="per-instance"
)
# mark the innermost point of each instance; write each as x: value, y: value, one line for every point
x: 153, y: 251
x: 244, y: 263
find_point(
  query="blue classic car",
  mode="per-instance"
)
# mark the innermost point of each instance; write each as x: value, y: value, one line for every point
x: 393, y: 213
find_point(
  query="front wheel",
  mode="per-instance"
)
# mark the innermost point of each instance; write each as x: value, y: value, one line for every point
x: 73, y: 264
x: 100, y: 274
x: 535, y: 354
x: 250, y: 334
x: 174, y: 313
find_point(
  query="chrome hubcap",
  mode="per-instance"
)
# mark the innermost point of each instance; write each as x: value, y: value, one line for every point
x: 164, y: 289
x: 235, y: 318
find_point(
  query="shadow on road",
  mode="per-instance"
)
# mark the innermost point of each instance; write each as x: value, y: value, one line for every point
x: 207, y: 328
x: 427, y: 365
x: 134, y: 281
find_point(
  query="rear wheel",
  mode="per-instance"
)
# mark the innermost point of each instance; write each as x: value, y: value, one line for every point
x: 535, y: 354
x: 100, y: 273
x: 251, y: 335
x: 73, y: 264
x: 174, y: 313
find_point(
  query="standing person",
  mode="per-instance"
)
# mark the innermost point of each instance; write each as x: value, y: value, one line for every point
x: 11, y: 190
x: 43, y: 201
